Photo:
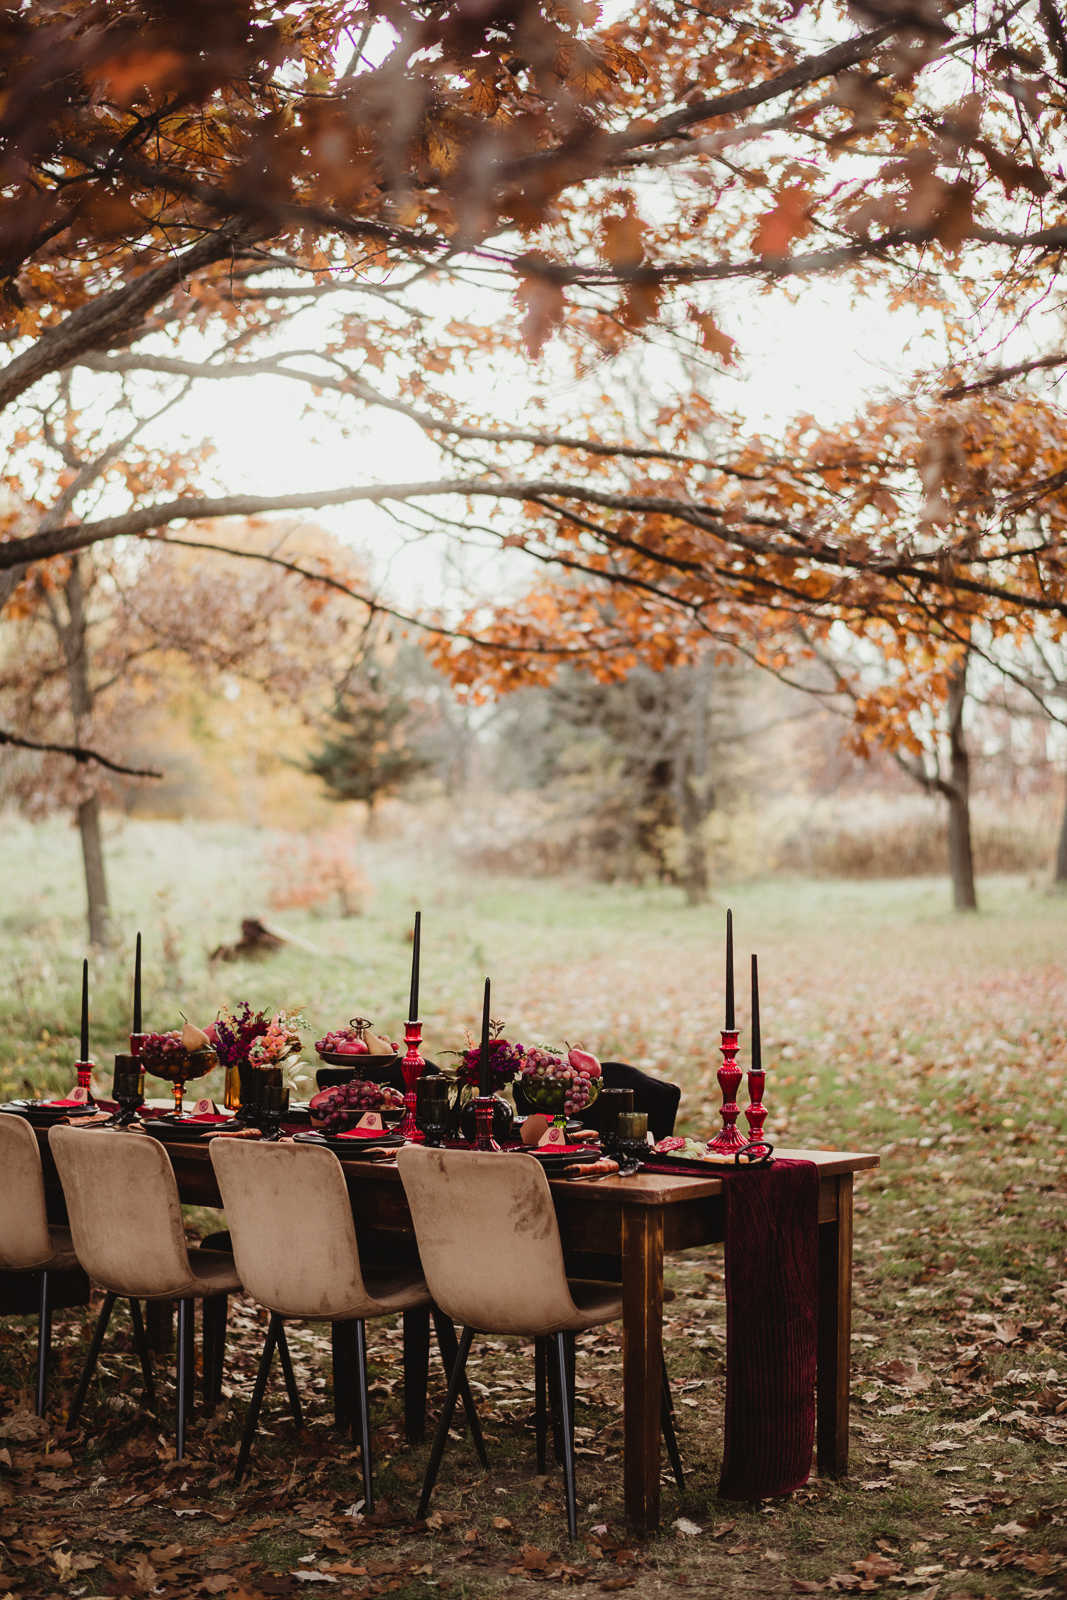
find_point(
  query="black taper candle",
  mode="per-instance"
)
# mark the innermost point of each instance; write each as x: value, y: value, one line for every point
x: 757, y: 1052
x: 483, y: 1059
x: 137, y: 988
x: 413, y: 1001
x: 730, y: 970
x: 85, y: 1013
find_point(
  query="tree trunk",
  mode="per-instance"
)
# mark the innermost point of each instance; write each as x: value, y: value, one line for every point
x: 1061, y: 852
x: 76, y: 650
x: 693, y: 797
x: 95, y: 878
x: 958, y: 794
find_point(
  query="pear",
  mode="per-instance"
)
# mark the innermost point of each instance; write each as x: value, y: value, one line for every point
x: 376, y: 1046
x: 194, y: 1038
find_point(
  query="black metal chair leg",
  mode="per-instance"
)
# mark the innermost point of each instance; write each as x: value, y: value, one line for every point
x: 364, y: 1415
x: 540, y: 1405
x: 91, y: 1359
x: 290, y: 1381
x: 446, y: 1343
x: 416, y: 1371
x: 569, y: 1342
x: 441, y: 1436
x: 554, y: 1411
x: 567, y: 1421
x: 44, y: 1341
x: 186, y: 1371
x: 141, y: 1346
x: 257, y: 1397
x: 666, y: 1423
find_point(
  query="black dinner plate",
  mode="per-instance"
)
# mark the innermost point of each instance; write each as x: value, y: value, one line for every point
x: 44, y: 1113
x: 350, y: 1149
x: 183, y: 1132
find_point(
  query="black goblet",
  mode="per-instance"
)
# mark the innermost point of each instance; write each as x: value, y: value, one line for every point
x: 273, y: 1104
x: 127, y: 1090
x: 431, y: 1108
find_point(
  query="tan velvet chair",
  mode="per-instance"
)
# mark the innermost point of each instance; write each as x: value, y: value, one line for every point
x: 490, y: 1248
x: 28, y: 1241
x: 126, y: 1222
x: 294, y: 1243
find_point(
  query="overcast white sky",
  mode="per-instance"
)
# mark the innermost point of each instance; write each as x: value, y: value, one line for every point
x: 821, y: 354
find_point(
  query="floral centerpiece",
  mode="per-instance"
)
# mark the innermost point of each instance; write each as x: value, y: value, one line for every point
x: 259, y: 1043
x: 505, y: 1063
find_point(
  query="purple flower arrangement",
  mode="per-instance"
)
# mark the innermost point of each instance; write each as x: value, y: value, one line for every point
x: 235, y: 1032
x: 505, y: 1064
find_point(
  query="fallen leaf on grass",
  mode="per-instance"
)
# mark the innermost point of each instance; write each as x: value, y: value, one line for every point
x: 1013, y: 1530
x: 877, y: 1483
x: 687, y: 1529
x: 534, y: 1560
x: 875, y: 1566
x: 622, y: 1582
x: 721, y: 1529
x: 303, y: 1576
x: 143, y: 1572
x: 905, y: 1373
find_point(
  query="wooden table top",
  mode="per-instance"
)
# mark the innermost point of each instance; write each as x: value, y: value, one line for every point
x: 642, y: 1189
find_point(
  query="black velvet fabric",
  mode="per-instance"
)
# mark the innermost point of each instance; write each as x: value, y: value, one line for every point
x: 660, y: 1100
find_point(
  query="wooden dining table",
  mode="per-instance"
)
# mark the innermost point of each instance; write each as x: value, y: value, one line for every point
x: 619, y: 1230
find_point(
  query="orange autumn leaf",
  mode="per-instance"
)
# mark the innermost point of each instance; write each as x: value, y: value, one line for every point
x: 778, y: 228
x: 712, y: 337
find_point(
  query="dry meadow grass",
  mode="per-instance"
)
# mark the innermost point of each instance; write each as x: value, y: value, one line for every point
x: 891, y: 1025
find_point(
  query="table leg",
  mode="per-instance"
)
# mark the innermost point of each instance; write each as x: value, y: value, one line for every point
x: 416, y: 1371
x: 642, y: 1314
x: 159, y: 1321
x: 835, y: 1335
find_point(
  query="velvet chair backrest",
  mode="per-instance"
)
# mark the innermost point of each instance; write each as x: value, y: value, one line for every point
x: 25, y: 1242
x: 124, y: 1211
x: 290, y: 1221
x: 652, y: 1095
x: 488, y: 1239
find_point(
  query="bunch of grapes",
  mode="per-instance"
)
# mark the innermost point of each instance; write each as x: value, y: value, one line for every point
x: 552, y: 1084
x: 164, y: 1055
x: 359, y: 1095
x: 345, y: 1042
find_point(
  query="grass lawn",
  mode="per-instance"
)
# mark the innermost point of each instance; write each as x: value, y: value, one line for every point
x: 890, y: 1024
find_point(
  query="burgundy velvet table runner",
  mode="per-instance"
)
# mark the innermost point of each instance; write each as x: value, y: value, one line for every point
x: 772, y: 1286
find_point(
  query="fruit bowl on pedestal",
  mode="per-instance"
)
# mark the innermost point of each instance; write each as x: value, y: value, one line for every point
x: 359, y: 1064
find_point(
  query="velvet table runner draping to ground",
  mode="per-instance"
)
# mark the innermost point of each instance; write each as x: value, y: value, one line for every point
x: 772, y: 1285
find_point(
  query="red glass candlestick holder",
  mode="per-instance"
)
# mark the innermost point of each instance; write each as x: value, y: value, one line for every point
x: 411, y: 1067
x: 729, y: 1076
x: 84, y: 1069
x: 484, y: 1112
x: 756, y: 1111
x: 136, y: 1042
